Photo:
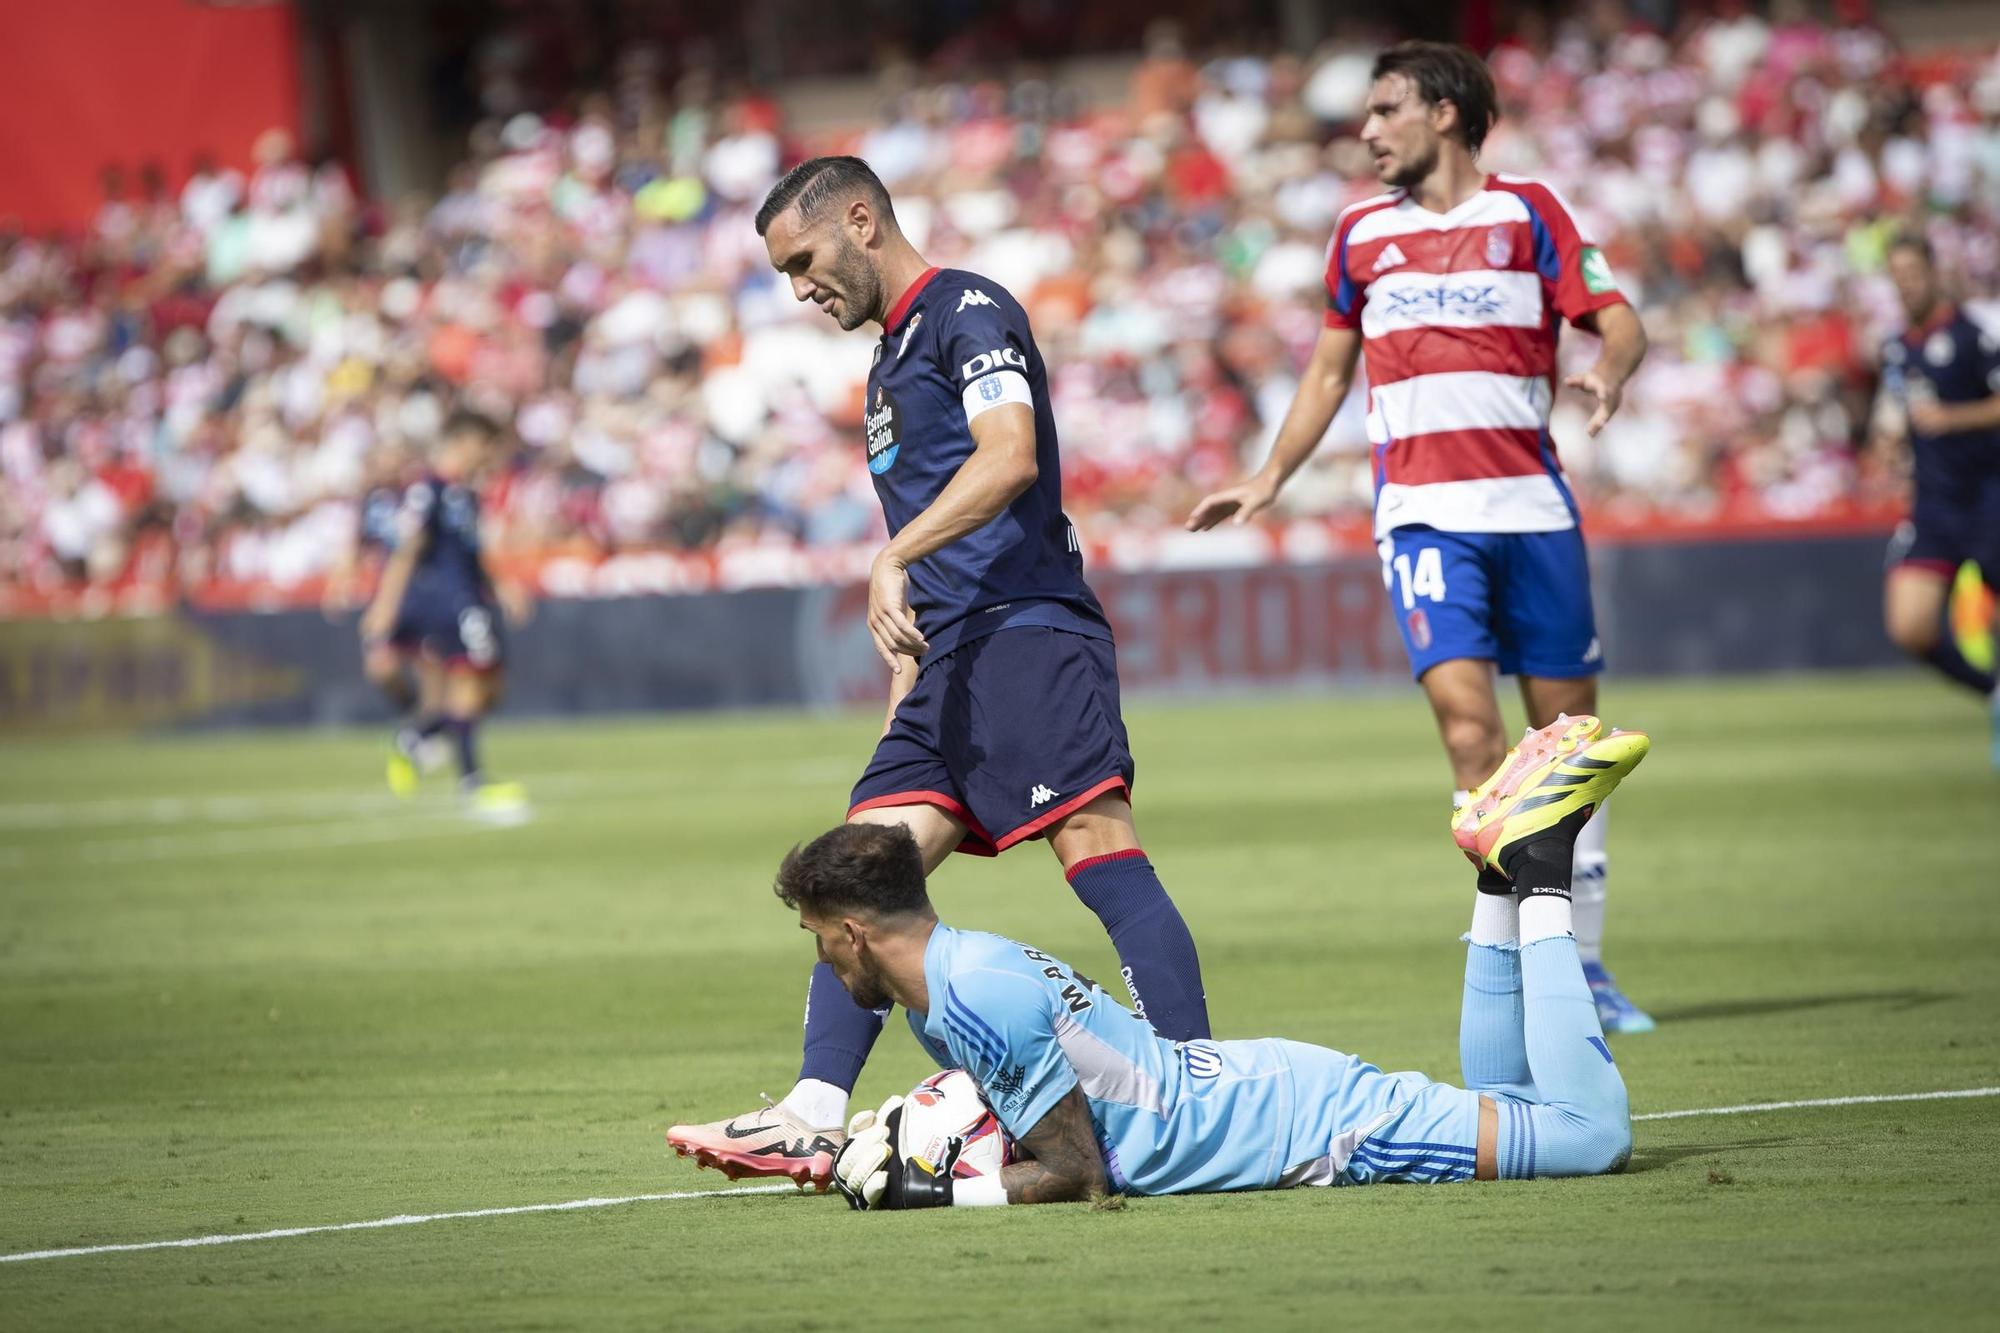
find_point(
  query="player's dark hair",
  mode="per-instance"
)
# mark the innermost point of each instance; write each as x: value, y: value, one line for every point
x: 819, y: 181
x: 465, y: 419
x: 1447, y: 72
x: 1912, y: 240
x: 871, y: 868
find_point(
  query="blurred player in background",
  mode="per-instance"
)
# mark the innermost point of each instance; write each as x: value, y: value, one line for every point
x: 438, y: 609
x: 1004, y: 722
x: 411, y: 682
x: 1456, y: 283
x: 1941, y: 395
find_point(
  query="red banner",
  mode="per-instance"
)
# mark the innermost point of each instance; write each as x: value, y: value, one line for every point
x: 91, y: 84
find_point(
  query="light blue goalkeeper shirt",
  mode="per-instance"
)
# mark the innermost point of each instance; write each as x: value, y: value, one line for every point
x: 1171, y: 1118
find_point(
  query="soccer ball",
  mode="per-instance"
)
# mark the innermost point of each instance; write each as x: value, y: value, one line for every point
x: 948, y: 1106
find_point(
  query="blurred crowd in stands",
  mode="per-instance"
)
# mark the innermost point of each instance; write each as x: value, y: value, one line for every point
x: 204, y: 385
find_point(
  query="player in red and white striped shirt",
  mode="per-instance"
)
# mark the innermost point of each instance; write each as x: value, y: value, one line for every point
x: 1455, y: 284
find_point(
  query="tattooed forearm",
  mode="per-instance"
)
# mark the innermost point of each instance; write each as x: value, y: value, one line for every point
x: 1067, y: 1165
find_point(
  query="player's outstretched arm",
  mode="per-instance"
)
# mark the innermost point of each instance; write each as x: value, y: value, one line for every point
x: 1624, y: 347
x: 1067, y: 1164
x: 1322, y: 389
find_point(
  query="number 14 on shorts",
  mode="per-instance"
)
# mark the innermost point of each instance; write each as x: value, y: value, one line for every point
x: 1423, y: 578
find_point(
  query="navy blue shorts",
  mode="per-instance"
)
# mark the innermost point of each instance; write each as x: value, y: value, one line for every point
x: 465, y: 635
x: 1940, y: 535
x: 1008, y: 734
x: 1518, y: 599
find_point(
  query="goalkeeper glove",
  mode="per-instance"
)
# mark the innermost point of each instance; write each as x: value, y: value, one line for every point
x: 871, y: 1171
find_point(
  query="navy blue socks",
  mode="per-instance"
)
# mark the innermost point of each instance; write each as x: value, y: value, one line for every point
x: 1154, y: 946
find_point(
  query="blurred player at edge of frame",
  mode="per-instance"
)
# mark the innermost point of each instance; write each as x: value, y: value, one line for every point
x: 437, y: 607
x: 1941, y: 395
x: 1455, y: 283
x: 1004, y: 721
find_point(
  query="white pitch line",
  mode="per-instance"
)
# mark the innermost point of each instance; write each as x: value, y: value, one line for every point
x: 1822, y: 1101
x: 278, y: 838
x: 400, y: 1220
x: 576, y: 1205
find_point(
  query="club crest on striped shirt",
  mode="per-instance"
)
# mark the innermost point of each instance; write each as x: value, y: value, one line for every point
x: 1499, y: 247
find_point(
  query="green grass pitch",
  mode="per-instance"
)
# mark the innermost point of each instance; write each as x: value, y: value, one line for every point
x: 241, y: 990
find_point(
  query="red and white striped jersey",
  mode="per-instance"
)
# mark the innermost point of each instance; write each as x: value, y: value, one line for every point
x: 1458, y: 314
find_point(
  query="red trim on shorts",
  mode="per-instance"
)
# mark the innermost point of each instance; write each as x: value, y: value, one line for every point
x: 1129, y: 854
x: 894, y: 318
x: 1063, y: 811
x: 1942, y: 568
x: 977, y: 841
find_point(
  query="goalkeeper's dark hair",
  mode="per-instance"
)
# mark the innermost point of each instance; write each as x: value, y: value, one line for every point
x: 1447, y: 72
x: 819, y: 181
x: 873, y: 869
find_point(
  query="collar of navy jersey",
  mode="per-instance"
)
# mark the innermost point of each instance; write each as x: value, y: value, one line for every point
x: 894, y: 319
x: 1941, y: 318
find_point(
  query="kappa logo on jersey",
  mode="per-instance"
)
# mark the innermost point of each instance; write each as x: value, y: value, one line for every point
x: 987, y: 362
x: 1391, y: 256
x: 1040, y: 795
x: 904, y: 345
x: 883, y: 424
x: 972, y: 296
x: 1597, y: 278
x: 1424, y: 303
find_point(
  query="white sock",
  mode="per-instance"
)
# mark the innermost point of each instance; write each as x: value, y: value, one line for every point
x: 818, y: 1103
x: 1459, y: 797
x: 1496, y: 919
x: 1587, y: 876
x: 1544, y: 916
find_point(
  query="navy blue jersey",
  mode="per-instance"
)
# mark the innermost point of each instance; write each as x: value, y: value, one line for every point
x: 379, y: 511
x: 446, y: 516
x: 955, y: 345
x: 1953, y: 358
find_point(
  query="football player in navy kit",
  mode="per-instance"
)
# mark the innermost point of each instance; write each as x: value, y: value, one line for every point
x: 1003, y: 721
x: 1941, y: 393
x: 437, y: 603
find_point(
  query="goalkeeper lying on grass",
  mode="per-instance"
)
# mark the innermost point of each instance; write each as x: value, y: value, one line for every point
x: 1099, y: 1103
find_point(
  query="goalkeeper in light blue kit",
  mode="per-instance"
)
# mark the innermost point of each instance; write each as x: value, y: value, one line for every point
x: 1099, y: 1103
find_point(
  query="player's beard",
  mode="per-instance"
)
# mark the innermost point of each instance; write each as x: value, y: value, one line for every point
x: 864, y: 987
x: 860, y: 286
x: 1411, y: 171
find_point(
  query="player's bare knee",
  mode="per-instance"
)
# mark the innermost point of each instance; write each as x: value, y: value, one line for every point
x: 1915, y: 635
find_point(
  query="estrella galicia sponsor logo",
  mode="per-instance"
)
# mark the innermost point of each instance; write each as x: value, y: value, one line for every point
x: 1597, y: 278
x: 1423, y: 304
x: 1201, y: 1059
x: 987, y: 362
x: 884, y: 424
x: 1007, y: 1087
